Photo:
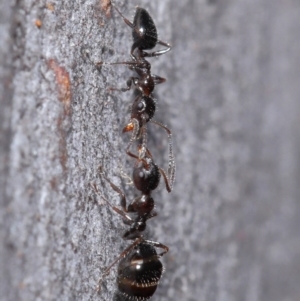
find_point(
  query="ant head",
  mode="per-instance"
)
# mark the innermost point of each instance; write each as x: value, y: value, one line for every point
x: 144, y: 32
x: 143, y: 109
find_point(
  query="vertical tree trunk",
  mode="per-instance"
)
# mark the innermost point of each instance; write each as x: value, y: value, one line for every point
x: 232, y: 101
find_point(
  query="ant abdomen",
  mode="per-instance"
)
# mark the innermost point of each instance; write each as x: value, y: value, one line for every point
x: 144, y: 32
x: 139, y: 273
x: 144, y: 35
x: 146, y: 176
x: 143, y: 107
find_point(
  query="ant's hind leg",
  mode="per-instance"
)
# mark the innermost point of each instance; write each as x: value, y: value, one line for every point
x: 169, y: 47
x: 122, y: 213
x: 120, y: 192
x: 170, y: 178
x: 127, y: 22
x: 134, y: 127
x: 143, y: 148
x: 158, y: 245
x: 159, y: 52
x: 166, y: 179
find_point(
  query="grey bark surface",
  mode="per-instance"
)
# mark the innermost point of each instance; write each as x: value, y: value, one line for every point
x: 232, y: 101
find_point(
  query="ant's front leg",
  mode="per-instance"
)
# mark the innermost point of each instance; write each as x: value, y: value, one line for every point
x: 158, y: 245
x: 159, y: 52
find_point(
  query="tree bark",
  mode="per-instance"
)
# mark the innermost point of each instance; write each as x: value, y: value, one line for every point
x: 232, y: 102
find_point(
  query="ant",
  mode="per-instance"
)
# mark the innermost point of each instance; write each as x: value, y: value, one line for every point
x: 140, y: 269
x: 144, y: 35
x: 144, y: 38
x: 146, y: 174
x: 142, y: 112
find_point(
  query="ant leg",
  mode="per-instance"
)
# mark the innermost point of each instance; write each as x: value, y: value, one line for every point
x: 134, y: 126
x: 143, y: 147
x: 125, y: 176
x: 132, y: 65
x: 168, y: 186
x: 169, y: 47
x: 122, y: 255
x: 133, y: 47
x: 169, y: 180
x: 159, y: 52
x: 120, y: 192
x: 133, y: 123
x: 149, y: 154
x: 158, y: 245
x: 127, y: 22
x: 162, y: 126
x: 122, y: 213
x: 127, y: 63
x: 157, y: 79
x: 130, y: 82
x: 132, y: 155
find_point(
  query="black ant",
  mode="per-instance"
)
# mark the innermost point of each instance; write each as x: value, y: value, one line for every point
x: 140, y: 269
x: 144, y: 38
x: 142, y: 112
x: 144, y: 35
x: 146, y: 174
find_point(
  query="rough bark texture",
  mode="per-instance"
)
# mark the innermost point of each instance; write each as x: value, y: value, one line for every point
x: 232, y: 101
